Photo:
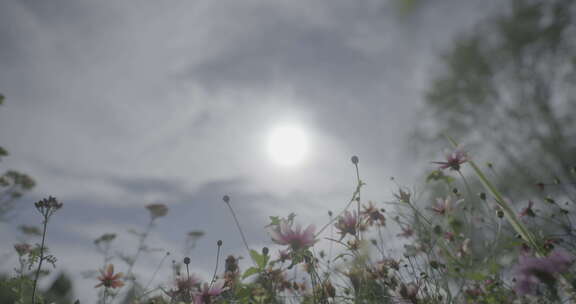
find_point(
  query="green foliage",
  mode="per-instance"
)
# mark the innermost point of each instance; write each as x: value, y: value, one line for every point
x: 3, y: 153
x: 473, y: 245
x: 439, y: 175
x: 60, y: 291
x: 275, y: 220
x: 407, y: 6
x: 507, y: 89
x: 261, y: 261
x: 448, y: 258
x: 13, y: 185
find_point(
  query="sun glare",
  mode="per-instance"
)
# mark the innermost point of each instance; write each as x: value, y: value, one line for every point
x: 287, y: 145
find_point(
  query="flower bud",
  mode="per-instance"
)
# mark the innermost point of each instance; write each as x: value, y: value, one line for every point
x: 354, y: 159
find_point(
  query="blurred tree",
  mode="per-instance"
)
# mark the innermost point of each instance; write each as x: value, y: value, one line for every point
x: 7, y: 294
x: 13, y: 185
x: 60, y: 291
x: 407, y: 6
x: 507, y: 89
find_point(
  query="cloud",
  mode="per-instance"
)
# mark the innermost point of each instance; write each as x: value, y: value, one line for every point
x: 112, y: 105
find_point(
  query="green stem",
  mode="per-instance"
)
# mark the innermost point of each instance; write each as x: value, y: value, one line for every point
x: 358, y: 218
x: 241, y: 232
x: 215, y: 267
x: 40, y: 261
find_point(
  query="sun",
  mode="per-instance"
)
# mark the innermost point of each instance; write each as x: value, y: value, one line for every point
x: 287, y: 145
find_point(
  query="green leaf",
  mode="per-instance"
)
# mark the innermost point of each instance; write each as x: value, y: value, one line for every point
x: 250, y: 271
x: 274, y: 221
x: 456, y: 225
x: 476, y: 276
x: 245, y: 293
x: 260, y: 259
x: 438, y: 175
x: 494, y: 268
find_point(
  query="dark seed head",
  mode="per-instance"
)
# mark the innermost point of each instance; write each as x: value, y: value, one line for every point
x: 354, y: 159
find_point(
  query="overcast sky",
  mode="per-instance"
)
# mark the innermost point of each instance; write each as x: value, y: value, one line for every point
x: 112, y: 105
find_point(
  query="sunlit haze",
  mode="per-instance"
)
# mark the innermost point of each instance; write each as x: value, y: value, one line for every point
x: 288, y: 145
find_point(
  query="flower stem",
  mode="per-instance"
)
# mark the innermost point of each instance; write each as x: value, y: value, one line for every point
x: 215, y: 267
x: 358, y: 224
x: 156, y: 271
x: 239, y: 230
x: 506, y: 209
x: 37, y: 274
x: 355, y: 196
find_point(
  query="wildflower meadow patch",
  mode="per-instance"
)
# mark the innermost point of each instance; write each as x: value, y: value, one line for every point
x: 465, y: 244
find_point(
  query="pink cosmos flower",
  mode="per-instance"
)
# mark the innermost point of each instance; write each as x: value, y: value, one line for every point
x: 186, y: 283
x: 531, y: 271
x: 347, y: 224
x: 406, y: 232
x: 284, y: 234
x: 373, y: 215
x: 207, y: 293
x: 453, y: 160
x: 183, y: 289
x: 108, y: 279
x: 23, y: 248
x: 444, y: 206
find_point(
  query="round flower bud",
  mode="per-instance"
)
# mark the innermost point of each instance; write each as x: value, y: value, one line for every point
x: 186, y: 260
x: 354, y: 159
x: 226, y: 199
x: 219, y: 243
